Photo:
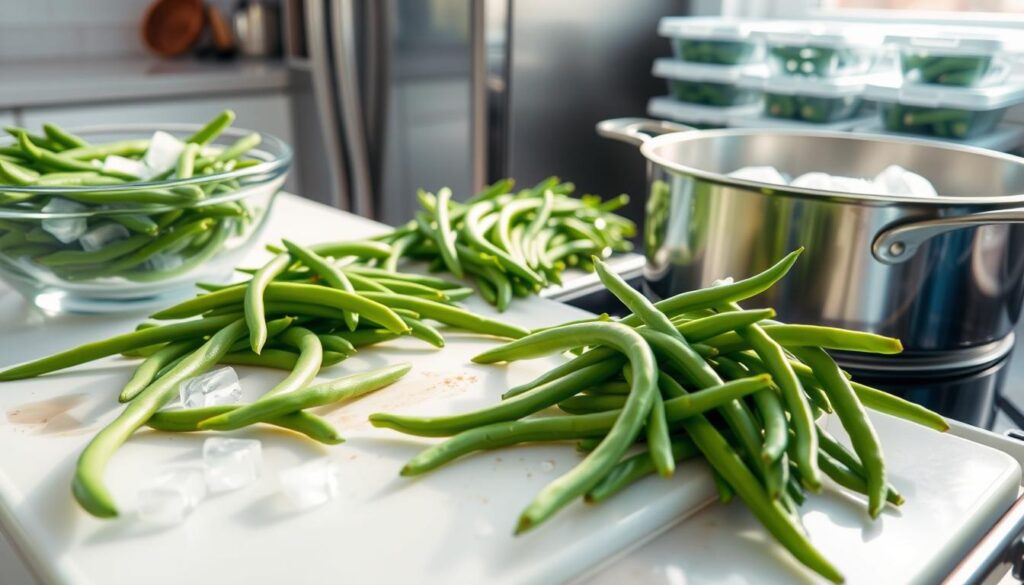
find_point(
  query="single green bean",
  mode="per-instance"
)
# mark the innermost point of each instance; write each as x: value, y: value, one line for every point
x: 146, y: 372
x: 212, y: 129
x: 183, y: 421
x: 330, y: 274
x: 636, y: 467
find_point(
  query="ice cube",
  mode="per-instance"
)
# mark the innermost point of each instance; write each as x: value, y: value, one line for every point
x: 820, y: 181
x: 67, y: 229
x: 121, y: 164
x: 896, y: 180
x: 311, y: 484
x: 231, y: 464
x: 219, y: 386
x: 854, y: 185
x: 760, y: 174
x: 99, y: 237
x: 163, y: 261
x: 163, y: 152
x: 171, y: 496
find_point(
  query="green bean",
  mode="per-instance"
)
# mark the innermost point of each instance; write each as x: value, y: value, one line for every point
x: 892, y: 405
x: 526, y: 404
x: 365, y: 337
x: 362, y: 283
x: 144, y: 253
x: 438, y: 283
x: 851, y: 481
x: 336, y: 343
x: 115, y: 345
x: 308, y: 364
x: 276, y: 359
x: 365, y: 304
x: 587, y: 404
x: 253, y: 299
x: 363, y: 249
x: 87, y: 485
x: 844, y: 456
x: 139, y: 195
x: 146, y: 372
x: 585, y: 475
x: 187, y: 161
x: 636, y: 467
x: 413, y: 289
x: 60, y: 136
x: 712, y: 296
x: 444, y: 236
x: 449, y: 315
x: 34, y: 139
x: 331, y: 274
x: 813, y: 336
x: 801, y: 418
x: 52, y: 160
x: 16, y: 174
x: 772, y: 516
x: 179, y: 421
x: 212, y: 129
x: 855, y: 420
x: 471, y: 227
x: 318, y: 395
x: 424, y: 332
x: 235, y: 150
x: 125, y: 148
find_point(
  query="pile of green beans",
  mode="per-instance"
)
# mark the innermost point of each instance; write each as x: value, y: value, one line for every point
x: 154, y: 233
x: 817, y: 109
x: 511, y: 244
x: 692, y: 375
x: 941, y: 122
x: 819, y: 61
x: 308, y: 308
x: 716, y: 51
x: 957, y: 70
x: 711, y: 94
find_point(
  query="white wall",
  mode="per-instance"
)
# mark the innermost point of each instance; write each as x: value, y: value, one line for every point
x: 40, y: 29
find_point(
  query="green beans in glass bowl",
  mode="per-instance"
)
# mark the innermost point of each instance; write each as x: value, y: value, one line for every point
x: 108, y: 219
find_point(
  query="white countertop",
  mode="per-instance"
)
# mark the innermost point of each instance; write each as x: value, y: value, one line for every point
x: 46, y: 83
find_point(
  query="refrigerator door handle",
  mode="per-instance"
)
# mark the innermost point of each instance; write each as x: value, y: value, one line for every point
x: 323, y: 93
x: 350, y: 105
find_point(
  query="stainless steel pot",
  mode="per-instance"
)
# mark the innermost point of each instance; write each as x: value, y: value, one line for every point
x: 941, y: 274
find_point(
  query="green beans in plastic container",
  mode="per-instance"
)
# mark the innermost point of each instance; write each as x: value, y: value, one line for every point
x: 108, y: 219
x: 717, y: 41
x: 940, y: 122
x: 711, y: 94
x: 816, y: 109
x: 956, y: 57
x: 822, y: 51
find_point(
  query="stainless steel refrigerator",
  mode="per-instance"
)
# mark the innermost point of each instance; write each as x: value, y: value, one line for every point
x: 396, y: 95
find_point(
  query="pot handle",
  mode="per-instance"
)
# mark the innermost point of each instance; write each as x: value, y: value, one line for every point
x: 899, y: 243
x: 636, y: 131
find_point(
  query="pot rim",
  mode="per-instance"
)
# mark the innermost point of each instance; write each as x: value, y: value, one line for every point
x: 649, y: 148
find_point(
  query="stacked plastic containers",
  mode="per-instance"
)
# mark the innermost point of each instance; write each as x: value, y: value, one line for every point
x: 818, y: 75
x: 957, y: 84
x: 711, y: 55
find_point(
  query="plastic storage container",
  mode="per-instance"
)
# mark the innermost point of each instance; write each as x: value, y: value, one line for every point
x: 710, y: 85
x: 822, y: 50
x: 957, y: 56
x: 719, y: 41
x: 818, y: 100
x: 947, y: 112
x: 698, y: 115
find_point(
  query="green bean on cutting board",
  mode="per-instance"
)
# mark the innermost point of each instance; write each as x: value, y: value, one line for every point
x: 744, y: 408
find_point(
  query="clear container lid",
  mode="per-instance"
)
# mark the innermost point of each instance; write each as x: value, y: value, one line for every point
x: 941, y: 96
x: 843, y: 86
x: 668, y: 108
x: 669, y: 68
x: 826, y: 35
x: 959, y: 41
x: 759, y: 120
x: 710, y: 28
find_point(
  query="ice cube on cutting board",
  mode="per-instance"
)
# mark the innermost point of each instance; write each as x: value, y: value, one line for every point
x: 231, y: 464
x: 896, y: 180
x: 219, y: 386
x: 761, y: 174
x: 65, y: 229
x: 163, y: 152
x: 100, y: 237
x: 311, y: 484
x: 171, y: 496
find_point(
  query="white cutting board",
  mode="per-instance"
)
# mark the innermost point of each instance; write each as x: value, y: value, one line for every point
x: 451, y: 526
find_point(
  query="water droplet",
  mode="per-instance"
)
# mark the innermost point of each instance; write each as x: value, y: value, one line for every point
x: 547, y: 465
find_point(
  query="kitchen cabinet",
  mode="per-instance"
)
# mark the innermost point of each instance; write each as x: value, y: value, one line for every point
x: 269, y: 113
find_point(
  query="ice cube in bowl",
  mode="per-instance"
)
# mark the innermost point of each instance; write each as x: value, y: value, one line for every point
x: 62, y: 236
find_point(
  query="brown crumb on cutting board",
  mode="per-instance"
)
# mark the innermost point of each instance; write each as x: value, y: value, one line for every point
x: 402, y: 395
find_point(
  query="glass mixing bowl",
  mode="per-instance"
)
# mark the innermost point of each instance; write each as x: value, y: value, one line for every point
x: 118, y: 247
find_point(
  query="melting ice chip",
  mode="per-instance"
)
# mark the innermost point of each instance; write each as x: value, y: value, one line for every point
x: 163, y: 261
x: 122, y: 164
x: 163, y: 153
x: 67, y: 229
x: 827, y: 182
x: 99, y: 237
x: 231, y: 464
x: 896, y: 180
x: 822, y: 181
x: 761, y: 174
x: 210, y: 389
x: 311, y: 484
x: 171, y: 496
